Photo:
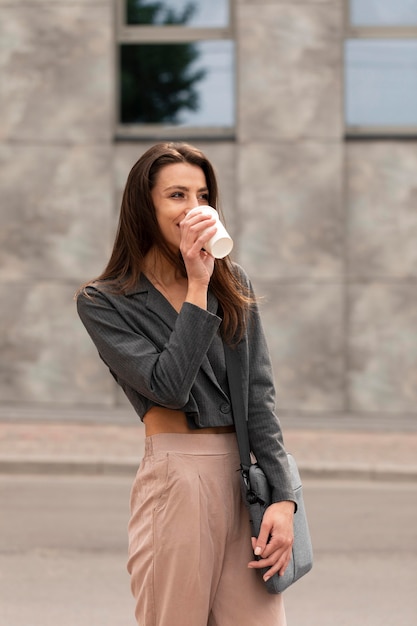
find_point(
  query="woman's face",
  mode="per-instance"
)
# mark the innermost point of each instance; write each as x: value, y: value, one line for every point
x: 179, y: 188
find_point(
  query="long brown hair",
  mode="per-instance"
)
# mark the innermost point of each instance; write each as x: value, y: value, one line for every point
x: 138, y: 231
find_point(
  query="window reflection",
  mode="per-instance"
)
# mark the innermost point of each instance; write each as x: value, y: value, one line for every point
x: 383, y: 12
x: 187, y: 84
x: 195, y: 13
x: 381, y: 82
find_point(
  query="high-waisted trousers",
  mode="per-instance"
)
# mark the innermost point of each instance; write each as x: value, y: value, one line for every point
x: 189, y: 538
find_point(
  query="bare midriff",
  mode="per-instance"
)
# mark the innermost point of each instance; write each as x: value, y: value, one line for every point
x: 160, y: 420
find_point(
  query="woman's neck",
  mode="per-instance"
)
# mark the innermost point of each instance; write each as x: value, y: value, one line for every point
x: 158, y: 268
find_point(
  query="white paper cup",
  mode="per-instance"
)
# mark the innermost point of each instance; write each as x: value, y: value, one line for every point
x: 221, y: 244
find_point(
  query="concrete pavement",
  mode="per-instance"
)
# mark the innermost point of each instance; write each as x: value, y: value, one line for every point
x: 63, y: 552
x: 113, y: 444
x: 67, y: 485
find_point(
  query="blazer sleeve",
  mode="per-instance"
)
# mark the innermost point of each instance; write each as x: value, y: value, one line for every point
x: 164, y: 374
x: 265, y: 434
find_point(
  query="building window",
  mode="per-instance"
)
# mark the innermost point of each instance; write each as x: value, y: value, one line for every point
x: 175, y: 68
x: 381, y: 67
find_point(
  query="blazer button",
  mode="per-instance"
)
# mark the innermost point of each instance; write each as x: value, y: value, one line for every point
x: 225, y: 408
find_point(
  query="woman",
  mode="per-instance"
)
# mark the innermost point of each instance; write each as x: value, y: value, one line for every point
x: 159, y: 315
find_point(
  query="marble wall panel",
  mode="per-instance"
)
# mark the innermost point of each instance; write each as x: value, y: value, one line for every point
x: 47, y: 356
x: 382, y: 343
x: 304, y: 324
x: 56, y: 210
x: 56, y: 63
x: 223, y: 156
x: 290, y: 210
x: 382, y: 209
x: 290, y: 72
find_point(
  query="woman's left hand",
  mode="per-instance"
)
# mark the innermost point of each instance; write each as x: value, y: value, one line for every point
x: 273, y: 546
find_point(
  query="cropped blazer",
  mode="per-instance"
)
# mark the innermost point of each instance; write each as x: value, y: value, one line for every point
x: 159, y: 357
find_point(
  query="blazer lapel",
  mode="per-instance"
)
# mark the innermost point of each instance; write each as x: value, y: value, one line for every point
x: 212, y: 306
x: 159, y: 305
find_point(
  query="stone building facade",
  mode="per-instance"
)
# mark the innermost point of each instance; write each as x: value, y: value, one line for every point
x: 327, y: 228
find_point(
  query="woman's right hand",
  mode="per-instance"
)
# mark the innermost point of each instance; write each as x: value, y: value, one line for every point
x: 196, y: 230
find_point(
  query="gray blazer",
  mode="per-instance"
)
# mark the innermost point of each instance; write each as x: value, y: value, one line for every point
x: 161, y: 357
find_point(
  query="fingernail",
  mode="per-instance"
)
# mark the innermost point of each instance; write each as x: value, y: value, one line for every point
x: 266, y: 578
x: 258, y: 551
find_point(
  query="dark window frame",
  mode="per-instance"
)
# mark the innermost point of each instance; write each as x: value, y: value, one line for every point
x: 148, y: 34
x: 352, y: 32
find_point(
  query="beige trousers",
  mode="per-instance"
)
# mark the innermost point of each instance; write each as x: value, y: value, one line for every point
x: 189, y: 538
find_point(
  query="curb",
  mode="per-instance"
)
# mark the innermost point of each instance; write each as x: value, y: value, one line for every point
x: 377, y: 473
x: 76, y: 466
x: 72, y: 466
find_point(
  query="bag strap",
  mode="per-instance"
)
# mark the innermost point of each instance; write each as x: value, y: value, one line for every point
x: 239, y: 414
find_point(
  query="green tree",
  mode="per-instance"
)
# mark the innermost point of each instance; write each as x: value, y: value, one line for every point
x: 157, y: 80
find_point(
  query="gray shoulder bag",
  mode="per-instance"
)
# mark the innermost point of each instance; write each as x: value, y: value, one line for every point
x: 256, y: 492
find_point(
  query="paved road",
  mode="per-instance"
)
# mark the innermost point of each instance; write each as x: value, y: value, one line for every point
x: 63, y: 543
